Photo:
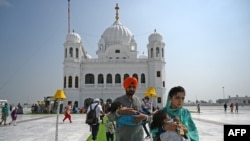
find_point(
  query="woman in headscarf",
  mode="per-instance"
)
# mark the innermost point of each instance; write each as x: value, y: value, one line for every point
x: 174, y: 108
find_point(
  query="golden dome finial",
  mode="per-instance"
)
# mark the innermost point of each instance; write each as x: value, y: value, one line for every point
x: 117, y: 14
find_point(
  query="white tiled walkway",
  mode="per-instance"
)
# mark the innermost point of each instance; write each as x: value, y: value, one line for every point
x: 43, y: 127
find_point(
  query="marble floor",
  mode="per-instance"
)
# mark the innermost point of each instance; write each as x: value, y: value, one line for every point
x: 43, y: 127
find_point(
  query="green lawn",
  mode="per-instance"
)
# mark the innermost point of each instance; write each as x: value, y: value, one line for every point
x: 101, y: 136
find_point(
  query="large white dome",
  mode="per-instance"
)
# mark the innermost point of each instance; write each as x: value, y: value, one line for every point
x: 73, y: 37
x: 117, y: 33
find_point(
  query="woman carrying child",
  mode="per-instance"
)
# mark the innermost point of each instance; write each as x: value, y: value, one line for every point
x: 174, y: 108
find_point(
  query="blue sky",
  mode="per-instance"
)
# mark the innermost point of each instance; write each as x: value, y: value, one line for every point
x: 207, y: 42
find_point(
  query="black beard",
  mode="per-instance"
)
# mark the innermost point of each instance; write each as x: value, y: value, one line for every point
x: 130, y: 93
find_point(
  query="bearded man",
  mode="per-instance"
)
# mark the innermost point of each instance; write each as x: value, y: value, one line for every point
x: 129, y: 103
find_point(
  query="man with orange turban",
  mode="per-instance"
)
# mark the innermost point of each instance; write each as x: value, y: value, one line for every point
x: 129, y: 103
x: 128, y: 81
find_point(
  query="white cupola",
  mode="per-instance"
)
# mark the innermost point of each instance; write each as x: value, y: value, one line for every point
x: 117, y: 42
x: 155, y: 46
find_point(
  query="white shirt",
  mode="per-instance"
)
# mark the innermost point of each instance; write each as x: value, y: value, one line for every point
x: 98, y: 109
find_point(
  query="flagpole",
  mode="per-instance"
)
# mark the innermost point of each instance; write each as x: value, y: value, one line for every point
x: 151, y: 104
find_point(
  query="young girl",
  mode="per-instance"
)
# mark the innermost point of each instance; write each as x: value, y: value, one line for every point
x: 174, y: 108
x: 13, y: 116
x: 67, y: 113
x: 110, y: 129
x: 160, y: 118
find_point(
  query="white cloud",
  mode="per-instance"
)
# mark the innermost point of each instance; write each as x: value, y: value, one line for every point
x: 4, y: 3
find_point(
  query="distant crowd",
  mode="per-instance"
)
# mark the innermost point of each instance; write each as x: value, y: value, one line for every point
x: 10, y: 110
x: 233, y: 107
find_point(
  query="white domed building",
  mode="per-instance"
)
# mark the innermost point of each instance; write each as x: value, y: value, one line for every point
x: 102, y: 77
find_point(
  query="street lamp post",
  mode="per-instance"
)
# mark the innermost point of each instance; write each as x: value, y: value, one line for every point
x: 59, y: 96
x: 223, y: 92
x: 151, y: 93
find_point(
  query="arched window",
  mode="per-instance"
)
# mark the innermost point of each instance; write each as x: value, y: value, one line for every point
x: 117, y: 78
x: 65, y: 52
x: 71, y: 52
x: 77, y: 53
x: 143, y: 78
x: 117, y: 51
x: 135, y: 75
x: 152, y: 53
x: 76, y: 82
x: 125, y: 76
x: 157, y: 51
x: 70, y: 82
x: 89, y: 78
x: 109, y: 78
x: 162, y: 52
x: 132, y: 48
x: 101, y: 47
x: 100, y: 79
x: 64, y: 82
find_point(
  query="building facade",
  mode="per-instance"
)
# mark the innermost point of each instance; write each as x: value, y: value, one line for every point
x: 244, y: 100
x: 102, y: 77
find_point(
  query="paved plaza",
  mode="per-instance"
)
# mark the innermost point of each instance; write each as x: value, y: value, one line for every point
x: 42, y: 127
